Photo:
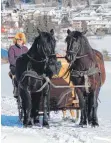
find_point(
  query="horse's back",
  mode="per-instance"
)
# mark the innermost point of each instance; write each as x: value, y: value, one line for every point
x: 100, y: 63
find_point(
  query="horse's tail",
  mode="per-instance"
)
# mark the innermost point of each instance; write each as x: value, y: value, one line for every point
x: 100, y: 64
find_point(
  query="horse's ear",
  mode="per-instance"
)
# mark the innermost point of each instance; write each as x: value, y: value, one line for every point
x: 39, y: 31
x: 68, y: 31
x: 52, y: 32
x: 84, y: 32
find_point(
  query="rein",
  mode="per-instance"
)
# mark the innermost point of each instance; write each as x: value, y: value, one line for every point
x: 42, y: 61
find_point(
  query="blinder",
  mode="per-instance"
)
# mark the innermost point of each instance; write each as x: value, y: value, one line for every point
x: 72, y: 51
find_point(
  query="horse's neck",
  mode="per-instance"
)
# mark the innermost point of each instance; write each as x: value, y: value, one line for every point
x: 37, y: 67
x: 83, y: 61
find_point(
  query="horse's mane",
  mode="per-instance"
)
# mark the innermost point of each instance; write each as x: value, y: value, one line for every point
x: 85, y: 44
x: 75, y: 34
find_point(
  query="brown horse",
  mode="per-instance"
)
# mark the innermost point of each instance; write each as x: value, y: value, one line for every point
x: 86, y: 68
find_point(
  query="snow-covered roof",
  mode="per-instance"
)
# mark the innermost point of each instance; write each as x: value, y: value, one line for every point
x: 56, y: 20
x: 99, y: 23
x: 37, y: 11
x: 86, y: 18
x: 86, y: 11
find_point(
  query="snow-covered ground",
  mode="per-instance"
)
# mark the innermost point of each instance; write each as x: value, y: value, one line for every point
x: 101, y: 44
x: 60, y: 131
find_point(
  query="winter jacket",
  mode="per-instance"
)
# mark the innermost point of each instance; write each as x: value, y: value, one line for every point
x: 13, y: 53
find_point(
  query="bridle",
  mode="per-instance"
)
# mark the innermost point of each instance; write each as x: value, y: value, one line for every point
x: 74, y: 52
x: 47, y: 60
x: 36, y: 61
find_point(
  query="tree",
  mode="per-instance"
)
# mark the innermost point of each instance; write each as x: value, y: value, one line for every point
x: 42, y: 22
x: 84, y: 25
x: 105, y: 52
x: 105, y: 55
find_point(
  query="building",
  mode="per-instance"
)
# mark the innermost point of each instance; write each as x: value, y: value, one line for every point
x: 47, y: 2
x: 76, y: 25
x: 100, y: 24
x: 38, y: 1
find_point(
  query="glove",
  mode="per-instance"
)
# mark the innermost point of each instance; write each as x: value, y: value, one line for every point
x: 12, y: 68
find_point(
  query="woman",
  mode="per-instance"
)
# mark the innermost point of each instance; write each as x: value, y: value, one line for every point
x: 14, y: 52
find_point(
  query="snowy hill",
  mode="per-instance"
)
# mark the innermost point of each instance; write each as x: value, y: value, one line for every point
x: 60, y: 131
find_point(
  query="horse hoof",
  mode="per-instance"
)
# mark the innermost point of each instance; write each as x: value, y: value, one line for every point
x: 36, y: 122
x: 46, y: 124
x: 83, y: 124
x: 27, y: 126
x: 38, y: 125
x: 65, y: 118
x: 94, y: 124
x: 73, y: 120
x: 89, y: 122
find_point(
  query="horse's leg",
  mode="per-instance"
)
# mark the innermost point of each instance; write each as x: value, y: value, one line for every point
x: 64, y: 113
x: 72, y: 115
x: 22, y: 93
x: 71, y: 110
x: 89, y: 109
x: 25, y: 106
x: 48, y: 103
x: 35, y: 107
x: 86, y: 106
x: 45, y: 106
x: 28, y: 106
x: 93, y: 113
x: 82, y: 105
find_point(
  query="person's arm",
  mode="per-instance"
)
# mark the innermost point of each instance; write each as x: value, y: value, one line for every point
x: 11, y: 57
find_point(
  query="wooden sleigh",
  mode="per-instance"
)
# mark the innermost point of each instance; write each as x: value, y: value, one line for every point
x: 63, y: 98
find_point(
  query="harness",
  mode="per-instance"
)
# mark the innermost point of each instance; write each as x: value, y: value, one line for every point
x: 41, y: 61
x: 31, y: 73
x: 91, y: 71
x: 34, y: 75
x: 85, y: 74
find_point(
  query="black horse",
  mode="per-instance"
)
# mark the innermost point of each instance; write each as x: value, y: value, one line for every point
x: 32, y: 70
x: 84, y: 71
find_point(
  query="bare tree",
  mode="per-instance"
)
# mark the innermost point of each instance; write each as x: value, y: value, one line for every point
x: 42, y: 22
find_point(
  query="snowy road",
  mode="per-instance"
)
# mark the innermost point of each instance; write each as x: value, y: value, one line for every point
x: 59, y: 132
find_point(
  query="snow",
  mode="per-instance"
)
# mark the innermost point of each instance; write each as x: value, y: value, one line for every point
x: 100, y: 44
x: 60, y: 131
x: 86, y: 18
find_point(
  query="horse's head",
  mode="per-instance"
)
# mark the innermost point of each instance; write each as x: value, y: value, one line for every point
x: 73, y: 44
x: 43, y: 49
x: 43, y: 45
x: 77, y: 45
